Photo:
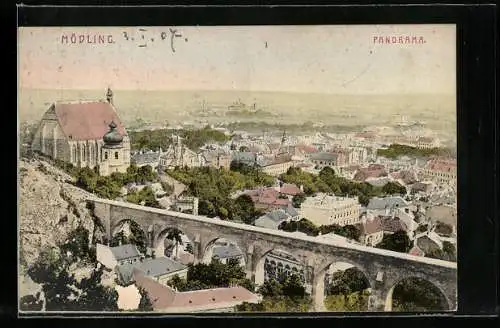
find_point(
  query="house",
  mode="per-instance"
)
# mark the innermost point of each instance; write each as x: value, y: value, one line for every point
x: 160, y: 269
x: 383, y: 206
x: 373, y: 229
x: 279, y: 264
x: 225, y: 253
x: 146, y: 157
x: 179, y: 155
x: 324, y: 209
x: 441, y: 171
x: 268, y: 199
x: 324, y: 159
x: 378, y: 182
x: 217, y: 159
x: 424, y: 187
x: 110, y: 257
x: 289, y: 189
x: 84, y: 133
x: 372, y: 171
x: 274, y: 219
x: 166, y: 299
x: 278, y: 165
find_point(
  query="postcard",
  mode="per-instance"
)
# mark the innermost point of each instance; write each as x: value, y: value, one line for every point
x: 202, y: 169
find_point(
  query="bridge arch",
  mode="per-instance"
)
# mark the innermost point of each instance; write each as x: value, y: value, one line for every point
x: 223, y: 248
x: 336, y: 269
x: 135, y: 229
x: 181, y: 244
x: 427, y: 288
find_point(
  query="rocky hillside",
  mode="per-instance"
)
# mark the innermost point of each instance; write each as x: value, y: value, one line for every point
x: 49, y: 208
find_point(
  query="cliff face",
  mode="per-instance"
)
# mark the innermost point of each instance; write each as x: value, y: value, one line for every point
x: 49, y: 208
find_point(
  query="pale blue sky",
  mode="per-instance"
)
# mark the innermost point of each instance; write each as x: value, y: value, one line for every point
x: 324, y: 59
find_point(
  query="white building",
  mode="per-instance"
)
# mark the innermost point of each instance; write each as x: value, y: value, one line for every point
x: 326, y: 210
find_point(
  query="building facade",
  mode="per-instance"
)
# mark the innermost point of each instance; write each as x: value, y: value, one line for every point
x: 73, y: 132
x: 326, y: 210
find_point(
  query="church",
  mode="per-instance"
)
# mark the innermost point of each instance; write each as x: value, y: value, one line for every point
x: 85, y: 134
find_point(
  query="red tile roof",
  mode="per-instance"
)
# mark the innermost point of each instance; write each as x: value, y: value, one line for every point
x: 307, y: 149
x: 380, y: 223
x: 290, y: 189
x: 87, y: 120
x: 165, y: 298
x: 442, y: 165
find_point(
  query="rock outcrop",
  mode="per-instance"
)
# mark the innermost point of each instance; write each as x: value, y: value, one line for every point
x: 49, y: 208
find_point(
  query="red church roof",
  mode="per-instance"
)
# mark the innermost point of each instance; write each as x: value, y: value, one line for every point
x: 87, y: 120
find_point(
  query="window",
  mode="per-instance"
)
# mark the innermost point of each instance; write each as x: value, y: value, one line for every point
x: 116, y: 155
x: 105, y: 155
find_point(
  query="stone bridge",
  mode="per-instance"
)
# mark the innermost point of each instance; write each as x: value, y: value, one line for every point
x: 382, y: 268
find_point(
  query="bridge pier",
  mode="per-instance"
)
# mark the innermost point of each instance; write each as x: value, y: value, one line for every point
x: 377, y: 301
x: 318, y: 292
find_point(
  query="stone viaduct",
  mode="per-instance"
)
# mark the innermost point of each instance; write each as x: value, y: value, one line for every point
x: 383, y: 269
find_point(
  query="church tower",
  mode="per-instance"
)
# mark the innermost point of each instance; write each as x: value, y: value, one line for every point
x: 112, y: 152
x: 109, y: 96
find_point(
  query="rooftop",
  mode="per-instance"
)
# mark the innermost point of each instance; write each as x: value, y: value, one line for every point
x: 125, y: 251
x: 87, y: 120
x: 159, y: 266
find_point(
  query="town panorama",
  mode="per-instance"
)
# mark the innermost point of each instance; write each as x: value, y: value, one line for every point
x: 237, y: 192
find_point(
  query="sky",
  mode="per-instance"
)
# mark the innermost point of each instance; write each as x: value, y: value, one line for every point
x: 333, y: 59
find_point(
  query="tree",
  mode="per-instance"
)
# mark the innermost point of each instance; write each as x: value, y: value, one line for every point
x: 118, y: 239
x: 145, y: 303
x: 393, y: 188
x: 95, y: 296
x: 415, y: 294
x: 243, y: 149
x: 189, y: 248
x: 297, y: 200
x: 175, y: 234
x: 293, y: 287
x: 398, y: 242
x: 77, y: 243
x: 270, y: 288
x: 244, y: 209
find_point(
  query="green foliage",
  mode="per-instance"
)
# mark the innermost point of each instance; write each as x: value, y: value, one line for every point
x: 63, y: 293
x: 288, y: 296
x: 245, y: 209
x: 193, y: 139
x: 348, y: 231
x: 297, y: 200
x: 347, y: 282
x: 398, y: 242
x: 77, y: 243
x: 393, y: 188
x: 303, y: 225
x: 110, y: 186
x: 145, y: 304
x: 137, y: 237
x: 309, y: 228
x: 214, y: 187
x: 347, y: 291
x: 353, y: 302
x: 31, y: 303
x: 396, y: 150
x: 144, y: 196
x: 215, y: 274
x: 415, y: 294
